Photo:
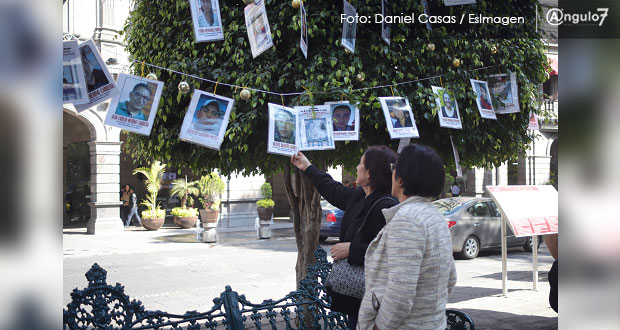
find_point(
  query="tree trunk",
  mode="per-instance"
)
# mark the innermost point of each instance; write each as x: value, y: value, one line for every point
x: 305, y: 204
x: 183, y: 201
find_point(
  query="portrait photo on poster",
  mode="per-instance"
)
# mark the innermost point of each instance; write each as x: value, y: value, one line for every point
x: 74, y: 90
x: 135, y: 107
x: 447, y: 108
x: 505, y: 93
x: 206, y: 119
x: 314, y: 128
x: 483, y: 98
x: 99, y: 82
x: 282, y: 133
x: 386, y: 11
x: 344, y: 119
x: 207, y: 20
x: 303, y: 40
x: 349, y: 27
x: 257, y: 26
x: 399, y: 117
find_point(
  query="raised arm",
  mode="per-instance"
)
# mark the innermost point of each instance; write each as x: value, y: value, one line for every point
x: 333, y: 191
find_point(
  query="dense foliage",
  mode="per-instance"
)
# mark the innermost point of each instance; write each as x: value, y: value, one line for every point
x: 160, y: 32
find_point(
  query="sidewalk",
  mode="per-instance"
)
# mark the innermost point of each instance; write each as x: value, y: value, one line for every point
x: 168, y: 270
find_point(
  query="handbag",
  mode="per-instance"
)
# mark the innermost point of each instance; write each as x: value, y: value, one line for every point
x: 347, y: 279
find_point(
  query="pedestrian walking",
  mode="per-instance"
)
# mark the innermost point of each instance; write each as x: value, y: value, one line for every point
x: 134, y: 208
x: 362, y: 219
x: 409, y: 267
x: 456, y: 191
x: 125, y: 199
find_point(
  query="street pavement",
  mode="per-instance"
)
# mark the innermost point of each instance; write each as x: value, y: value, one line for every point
x: 168, y: 270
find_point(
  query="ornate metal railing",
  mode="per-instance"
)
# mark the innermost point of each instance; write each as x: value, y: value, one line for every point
x: 102, y: 306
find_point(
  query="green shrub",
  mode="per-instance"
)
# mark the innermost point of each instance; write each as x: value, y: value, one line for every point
x: 180, y: 212
x: 265, y: 203
x: 152, y: 214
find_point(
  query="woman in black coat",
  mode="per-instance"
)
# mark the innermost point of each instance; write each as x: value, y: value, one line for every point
x: 374, y: 181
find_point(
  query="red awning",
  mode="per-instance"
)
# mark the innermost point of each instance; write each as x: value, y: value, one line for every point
x: 553, y: 63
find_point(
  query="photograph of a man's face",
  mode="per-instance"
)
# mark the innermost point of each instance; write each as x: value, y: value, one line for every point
x: 136, y: 104
x: 209, y: 115
x: 284, y: 127
x: 481, y: 91
x: 342, y: 118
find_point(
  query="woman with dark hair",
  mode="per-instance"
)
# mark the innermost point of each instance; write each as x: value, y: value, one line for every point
x: 364, y: 202
x: 409, y: 266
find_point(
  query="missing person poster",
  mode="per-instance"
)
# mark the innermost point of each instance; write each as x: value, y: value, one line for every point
x: 282, y: 135
x: 207, y: 20
x: 315, y: 128
x: 447, y: 108
x: 135, y: 107
x: 99, y: 82
x: 533, y: 122
x: 386, y: 11
x: 349, y: 27
x: 257, y: 25
x: 206, y: 119
x: 504, y: 87
x: 303, y: 41
x: 399, y: 117
x: 345, y: 117
x: 458, y: 2
x: 73, y: 82
x: 483, y: 98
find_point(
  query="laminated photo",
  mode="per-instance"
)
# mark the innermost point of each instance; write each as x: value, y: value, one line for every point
x: 303, y: 40
x: 504, y: 88
x: 349, y: 27
x: 447, y: 108
x: 135, y: 107
x: 282, y: 133
x: 533, y: 122
x: 207, y: 20
x: 99, y: 82
x: 458, y: 2
x: 73, y: 82
x: 399, y: 117
x: 315, y: 128
x: 206, y: 119
x: 258, y: 27
x: 344, y: 117
x: 483, y: 98
x: 386, y: 10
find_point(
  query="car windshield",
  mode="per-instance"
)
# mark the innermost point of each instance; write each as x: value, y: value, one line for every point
x: 446, y: 205
x: 326, y: 206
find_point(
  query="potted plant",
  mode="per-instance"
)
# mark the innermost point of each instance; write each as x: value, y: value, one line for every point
x: 183, y: 216
x: 265, y: 205
x: 211, y: 187
x: 153, y: 217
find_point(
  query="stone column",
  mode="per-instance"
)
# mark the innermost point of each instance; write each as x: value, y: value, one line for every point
x: 105, y: 188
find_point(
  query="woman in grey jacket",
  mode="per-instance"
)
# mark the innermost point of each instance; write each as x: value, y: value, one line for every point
x: 409, y: 268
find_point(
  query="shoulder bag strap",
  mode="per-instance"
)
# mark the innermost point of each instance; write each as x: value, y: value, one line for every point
x: 370, y: 211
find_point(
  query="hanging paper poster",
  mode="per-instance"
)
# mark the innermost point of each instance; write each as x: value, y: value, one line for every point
x: 135, y: 107
x: 206, y: 119
x: 258, y: 27
x: 399, y: 117
x: 207, y: 20
x: 504, y: 87
x: 73, y: 83
x: 447, y: 108
x: 315, y: 128
x: 344, y: 119
x: 533, y: 123
x: 386, y: 11
x: 303, y: 40
x: 457, y: 159
x: 483, y: 99
x: 349, y: 27
x: 99, y: 81
x: 458, y: 2
x: 282, y: 136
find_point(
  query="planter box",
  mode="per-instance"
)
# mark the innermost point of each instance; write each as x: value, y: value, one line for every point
x: 265, y: 213
x: 208, y: 216
x: 185, y: 222
x: 152, y: 223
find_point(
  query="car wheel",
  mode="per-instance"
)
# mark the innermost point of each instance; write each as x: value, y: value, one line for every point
x: 322, y: 239
x: 471, y: 247
x: 529, y: 243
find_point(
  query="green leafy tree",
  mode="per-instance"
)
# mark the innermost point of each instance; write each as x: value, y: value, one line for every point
x: 183, y: 189
x: 161, y: 33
